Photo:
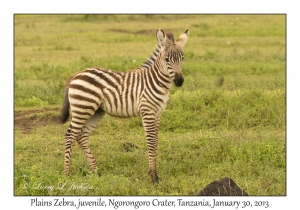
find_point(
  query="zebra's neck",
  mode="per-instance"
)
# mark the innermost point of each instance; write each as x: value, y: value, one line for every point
x: 162, y: 77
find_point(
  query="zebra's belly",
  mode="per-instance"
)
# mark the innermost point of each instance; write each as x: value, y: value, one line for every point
x: 120, y: 111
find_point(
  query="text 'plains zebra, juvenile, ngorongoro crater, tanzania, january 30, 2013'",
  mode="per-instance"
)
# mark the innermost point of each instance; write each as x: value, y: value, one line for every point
x: 140, y: 92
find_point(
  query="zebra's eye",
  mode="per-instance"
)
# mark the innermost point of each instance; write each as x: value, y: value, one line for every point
x: 167, y: 59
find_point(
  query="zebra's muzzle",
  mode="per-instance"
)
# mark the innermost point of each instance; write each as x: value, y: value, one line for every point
x: 178, y: 80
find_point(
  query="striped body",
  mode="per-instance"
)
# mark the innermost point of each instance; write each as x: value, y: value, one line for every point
x: 119, y: 94
x: 141, y: 92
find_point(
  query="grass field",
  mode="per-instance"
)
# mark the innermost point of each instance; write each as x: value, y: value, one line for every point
x: 209, y: 130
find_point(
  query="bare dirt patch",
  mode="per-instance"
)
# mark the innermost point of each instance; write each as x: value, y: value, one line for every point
x: 119, y: 30
x: 142, y: 32
x: 146, y: 32
x: 26, y: 120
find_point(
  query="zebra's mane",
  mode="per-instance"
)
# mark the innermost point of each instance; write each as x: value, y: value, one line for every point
x: 151, y: 58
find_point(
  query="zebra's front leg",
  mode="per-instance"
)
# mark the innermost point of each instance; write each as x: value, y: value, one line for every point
x: 150, y: 126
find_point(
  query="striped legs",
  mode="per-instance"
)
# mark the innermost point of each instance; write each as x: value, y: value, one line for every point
x: 82, y: 140
x: 81, y: 134
x: 70, y: 137
x: 150, y: 123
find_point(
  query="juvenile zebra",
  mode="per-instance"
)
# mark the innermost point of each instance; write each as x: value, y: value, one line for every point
x: 140, y: 92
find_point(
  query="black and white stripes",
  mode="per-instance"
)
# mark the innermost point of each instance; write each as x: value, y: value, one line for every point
x: 141, y: 92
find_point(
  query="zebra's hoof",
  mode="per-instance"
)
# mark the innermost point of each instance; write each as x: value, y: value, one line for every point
x: 154, y: 178
x: 97, y: 172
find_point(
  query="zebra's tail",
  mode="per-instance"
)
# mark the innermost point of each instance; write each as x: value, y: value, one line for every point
x: 64, y: 112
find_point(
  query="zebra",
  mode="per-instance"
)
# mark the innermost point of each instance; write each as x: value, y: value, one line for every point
x: 142, y: 92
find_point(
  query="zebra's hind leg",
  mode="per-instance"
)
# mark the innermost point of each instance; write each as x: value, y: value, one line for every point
x: 82, y: 140
x: 71, y: 135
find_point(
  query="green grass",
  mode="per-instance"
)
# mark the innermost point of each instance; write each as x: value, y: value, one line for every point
x: 208, y: 130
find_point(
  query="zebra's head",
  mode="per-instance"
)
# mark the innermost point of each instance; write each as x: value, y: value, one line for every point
x: 172, y: 54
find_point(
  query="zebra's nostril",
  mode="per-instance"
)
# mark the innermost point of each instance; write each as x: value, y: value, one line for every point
x: 178, y: 81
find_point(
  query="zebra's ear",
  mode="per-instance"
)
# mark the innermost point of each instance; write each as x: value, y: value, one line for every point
x: 182, y: 40
x: 161, y: 37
